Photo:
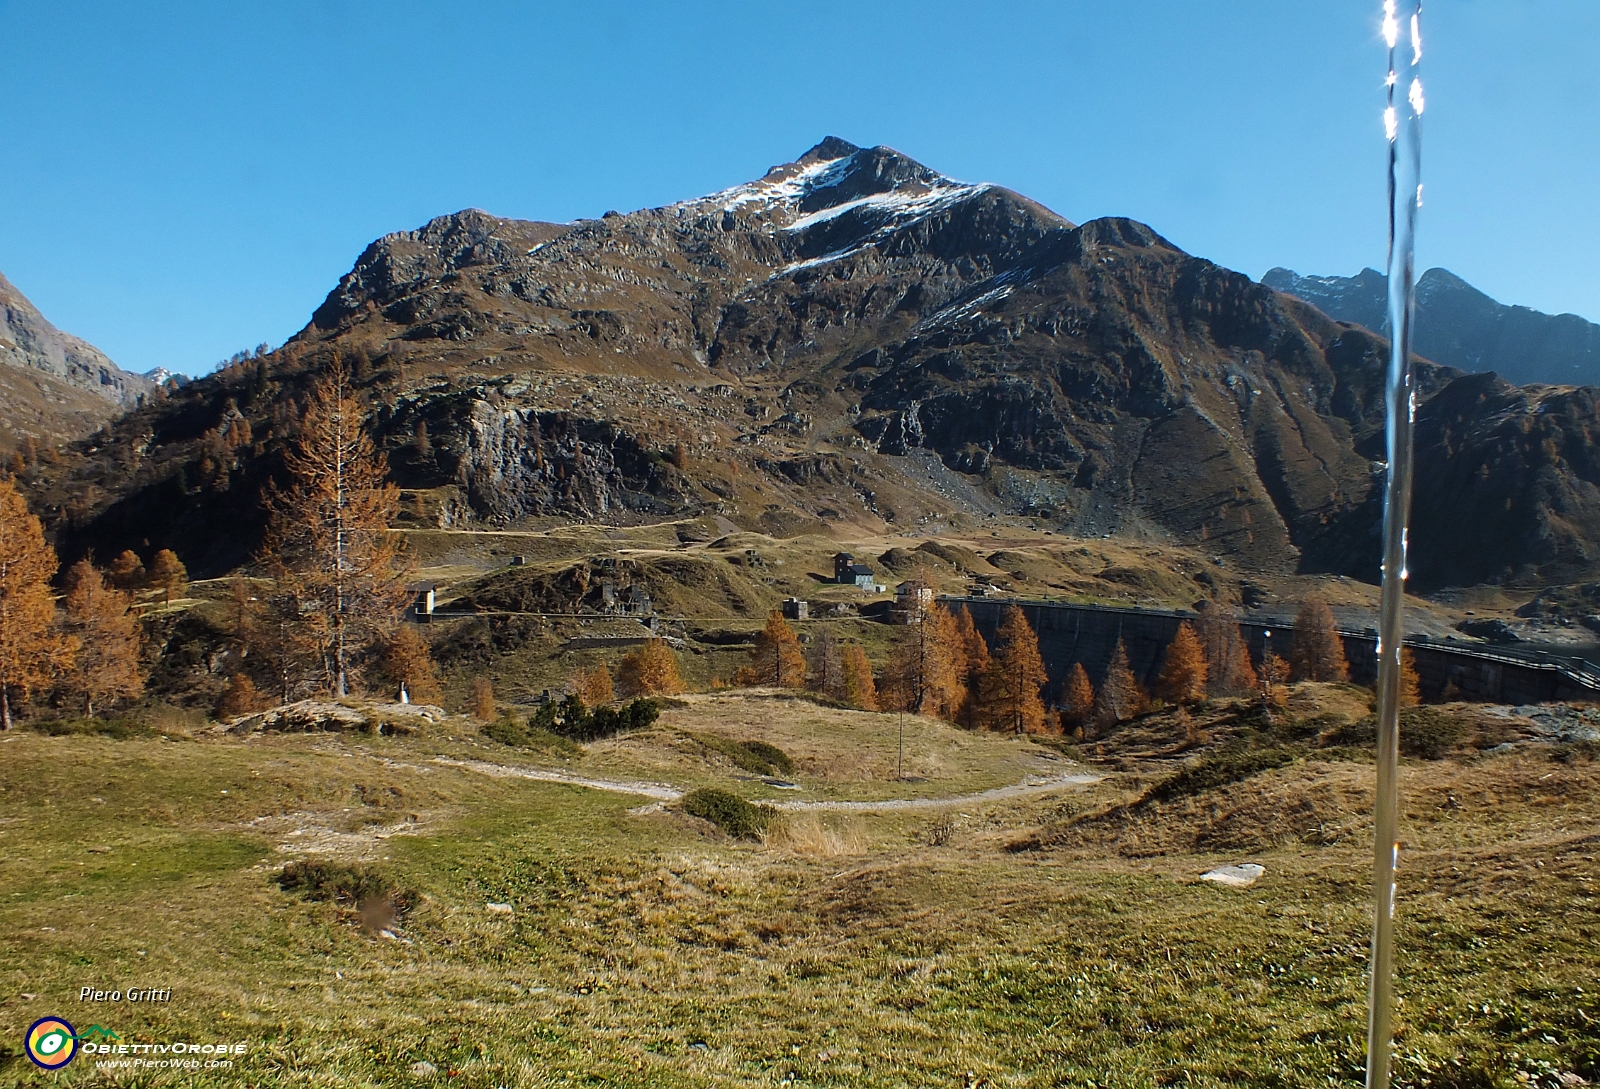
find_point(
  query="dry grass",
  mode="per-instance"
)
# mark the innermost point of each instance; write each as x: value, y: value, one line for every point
x: 838, y: 753
x: 809, y: 835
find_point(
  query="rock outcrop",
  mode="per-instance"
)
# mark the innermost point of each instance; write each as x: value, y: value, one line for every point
x: 27, y: 339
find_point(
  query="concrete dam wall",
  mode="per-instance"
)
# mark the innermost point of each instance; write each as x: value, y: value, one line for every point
x: 1089, y: 633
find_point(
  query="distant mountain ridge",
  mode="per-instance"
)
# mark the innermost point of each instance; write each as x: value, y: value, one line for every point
x: 1460, y: 326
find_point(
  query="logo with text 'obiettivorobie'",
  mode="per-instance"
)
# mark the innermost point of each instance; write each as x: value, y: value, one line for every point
x: 52, y: 1043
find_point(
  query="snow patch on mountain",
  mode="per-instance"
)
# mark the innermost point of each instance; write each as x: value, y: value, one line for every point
x: 785, y: 185
x: 897, y: 205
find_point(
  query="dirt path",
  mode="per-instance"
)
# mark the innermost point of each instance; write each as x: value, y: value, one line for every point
x: 1033, y: 784
x: 662, y: 792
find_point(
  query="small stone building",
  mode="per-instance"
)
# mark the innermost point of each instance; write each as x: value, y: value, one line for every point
x: 912, y: 598
x: 847, y: 572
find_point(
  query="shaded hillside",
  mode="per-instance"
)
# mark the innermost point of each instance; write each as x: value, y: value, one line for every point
x: 852, y: 340
x: 1460, y: 326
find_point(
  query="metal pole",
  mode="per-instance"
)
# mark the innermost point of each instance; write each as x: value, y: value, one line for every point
x: 1403, y: 127
x: 1266, y: 676
x: 900, y: 761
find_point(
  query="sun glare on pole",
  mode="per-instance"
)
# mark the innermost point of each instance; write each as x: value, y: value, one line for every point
x: 1402, y: 123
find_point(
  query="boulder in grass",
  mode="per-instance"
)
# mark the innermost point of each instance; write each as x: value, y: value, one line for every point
x: 1238, y: 877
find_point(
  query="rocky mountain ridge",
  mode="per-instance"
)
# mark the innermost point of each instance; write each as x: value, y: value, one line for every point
x: 54, y: 387
x: 855, y: 340
x: 27, y: 339
x: 1460, y: 326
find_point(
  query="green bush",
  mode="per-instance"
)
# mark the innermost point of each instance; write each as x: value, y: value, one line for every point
x: 1311, y: 727
x: 508, y: 731
x: 344, y: 884
x: 119, y: 728
x: 1220, y: 769
x: 729, y: 812
x: 752, y: 756
x: 571, y: 719
x: 524, y: 735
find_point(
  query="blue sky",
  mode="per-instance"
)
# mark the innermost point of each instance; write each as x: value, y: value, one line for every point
x: 183, y: 180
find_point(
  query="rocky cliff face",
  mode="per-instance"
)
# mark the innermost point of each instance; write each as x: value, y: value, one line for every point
x: 1461, y: 326
x: 28, y: 340
x: 855, y: 338
x: 53, y: 386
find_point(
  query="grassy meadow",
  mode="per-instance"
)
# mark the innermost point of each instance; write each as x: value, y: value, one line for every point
x: 565, y: 935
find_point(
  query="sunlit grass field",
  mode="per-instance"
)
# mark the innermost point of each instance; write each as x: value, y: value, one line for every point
x: 913, y: 947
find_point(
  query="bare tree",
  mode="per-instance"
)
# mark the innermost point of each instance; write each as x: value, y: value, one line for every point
x: 826, y: 667
x: 328, y: 541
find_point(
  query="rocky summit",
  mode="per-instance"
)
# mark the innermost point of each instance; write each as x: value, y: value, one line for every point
x: 856, y: 340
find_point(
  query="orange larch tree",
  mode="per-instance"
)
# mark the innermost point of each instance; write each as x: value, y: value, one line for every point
x: 1228, y: 668
x: 408, y: 663
x: 1079, y: 701
x: 240, y: 697
x: 776, y: 659
x: 1410, y: 683
x: 826, y: 664
x: 1184, y: 671
x: 32, y: 649
x: 1121, y: 696
x: 927, y: 669
x: 1019, y: 671
x: 127, y: 570
x: 593, y: 686
x: 1273, y: 675
x: 650, y: 670
x: 859, y: 689
x: 975, y: 661
x: 481, y: 703
x: 1318, y: 651
x: 168, y: 574
x: 102, y: 621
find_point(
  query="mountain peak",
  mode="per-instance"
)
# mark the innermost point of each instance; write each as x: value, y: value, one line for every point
x: 829, y: 150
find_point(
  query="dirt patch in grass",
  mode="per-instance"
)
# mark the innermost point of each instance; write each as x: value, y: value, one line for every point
x: 376, y: 902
